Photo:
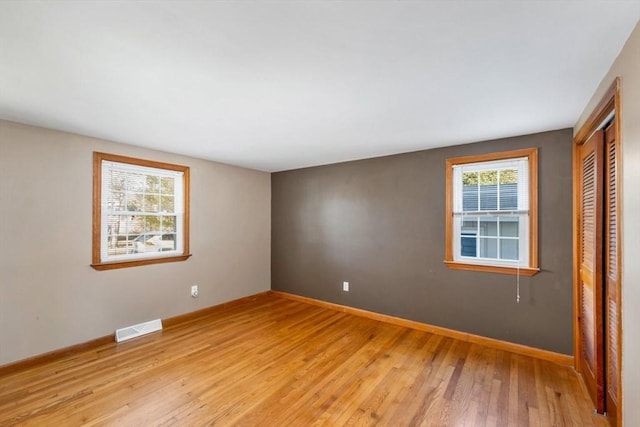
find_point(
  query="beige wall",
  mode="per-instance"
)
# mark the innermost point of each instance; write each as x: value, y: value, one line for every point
x: 627, y: 67
x: 49, y: 295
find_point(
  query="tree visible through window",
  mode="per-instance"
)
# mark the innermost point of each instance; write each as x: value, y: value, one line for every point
x: 140, y: 212
x: 491, y: 218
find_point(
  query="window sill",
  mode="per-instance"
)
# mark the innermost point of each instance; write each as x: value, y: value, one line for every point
x: 492, y: 268
x: 138, y: 262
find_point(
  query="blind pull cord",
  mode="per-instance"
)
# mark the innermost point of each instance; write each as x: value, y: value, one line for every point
x: 518, y: 284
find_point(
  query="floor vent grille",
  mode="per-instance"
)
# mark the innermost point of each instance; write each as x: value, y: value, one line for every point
x: 137, y: 330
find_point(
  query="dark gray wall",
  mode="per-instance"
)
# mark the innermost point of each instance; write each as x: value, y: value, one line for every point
x: 379, y: 224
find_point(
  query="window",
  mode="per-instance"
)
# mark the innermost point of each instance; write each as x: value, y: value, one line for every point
x: 492, y: 212
x: 140, y: 212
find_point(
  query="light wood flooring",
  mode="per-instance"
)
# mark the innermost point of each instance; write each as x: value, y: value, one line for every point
x: 271, y: 361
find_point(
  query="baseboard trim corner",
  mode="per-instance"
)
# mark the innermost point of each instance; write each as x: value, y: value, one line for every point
x: 558, y: 358
x: 194, y: 315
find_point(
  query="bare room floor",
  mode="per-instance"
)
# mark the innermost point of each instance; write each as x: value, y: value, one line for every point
x: 276, y: 362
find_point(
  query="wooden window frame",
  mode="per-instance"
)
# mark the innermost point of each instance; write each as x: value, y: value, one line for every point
x: 97, y: 262
x: 532, y: 155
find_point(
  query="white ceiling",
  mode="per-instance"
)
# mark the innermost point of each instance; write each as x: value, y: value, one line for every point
x: 276, y: 85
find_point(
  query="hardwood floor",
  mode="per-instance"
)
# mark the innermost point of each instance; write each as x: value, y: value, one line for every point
x: 275, y: 362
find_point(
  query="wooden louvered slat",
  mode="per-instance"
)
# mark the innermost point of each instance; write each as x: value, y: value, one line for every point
x: 591, y: 316
x: 588, y: 211
x: 587, y: 332
x: 612, y: 283
x: 612, y: 350
x: 612, y: 213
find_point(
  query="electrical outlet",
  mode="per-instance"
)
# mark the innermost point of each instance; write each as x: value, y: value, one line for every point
x: 345, y: 286
x: 194, y: 291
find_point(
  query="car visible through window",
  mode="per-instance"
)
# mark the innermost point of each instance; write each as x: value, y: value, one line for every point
x: 154, y: 242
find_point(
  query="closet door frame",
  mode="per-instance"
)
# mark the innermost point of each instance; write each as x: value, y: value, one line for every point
x: 608, y: 106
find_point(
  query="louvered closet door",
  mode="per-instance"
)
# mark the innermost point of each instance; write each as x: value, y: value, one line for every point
x: 591, y: 355
x: 611, y: 260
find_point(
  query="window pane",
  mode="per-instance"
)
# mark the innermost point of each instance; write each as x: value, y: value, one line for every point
x: 166, y: 204
x: 152, y: 184
x: 116, y: 225
x: 489, y: 190
x: 468, y: 246
x: 152, y: 223
x: 118, y: 234
x: 509, y: 197
x: 115, y: 200
x: 509, y: 176
x: 468, y: 233
x: 470, y: 198
x: 489, y: 177
x: 509, y: 227
x: 509, y: 249
x: 134, y: 202
x: 509, y: 189
x: 136, y: 224
x: 151, y: 203
x: 489, y: 226
x: 470, y: 179
x: 167, y: 185
x: 116, y: 180
x: 135, y: 182
x: 154, y: 242
x: 488, y: 248
x: 169, y: 224
x: 470, y: 191
x: 168, y: 242
x: 470, y: 224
